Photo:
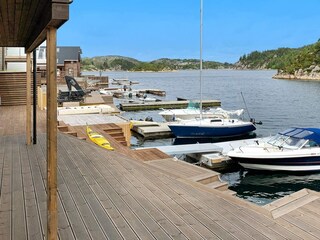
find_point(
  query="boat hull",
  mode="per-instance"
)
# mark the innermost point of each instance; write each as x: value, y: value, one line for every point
x: 209, y: 131
x: 285, y: 163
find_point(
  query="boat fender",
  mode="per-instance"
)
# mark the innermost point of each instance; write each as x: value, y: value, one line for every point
x: 254, y: 121
x: 149, y: 119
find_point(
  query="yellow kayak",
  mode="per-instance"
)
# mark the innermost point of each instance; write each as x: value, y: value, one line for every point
x: 99, y: 139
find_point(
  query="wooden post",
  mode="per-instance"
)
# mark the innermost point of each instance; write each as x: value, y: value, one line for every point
x: 28, y: 100
x: 52, y: 214
x: 34, y: 96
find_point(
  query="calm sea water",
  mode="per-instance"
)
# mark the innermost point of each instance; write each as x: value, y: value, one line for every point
x: 279, y: 104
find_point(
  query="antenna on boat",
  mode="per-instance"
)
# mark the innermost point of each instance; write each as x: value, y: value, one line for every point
x: 245, y: 104
x: 251, y: 119
x: 201, y: 13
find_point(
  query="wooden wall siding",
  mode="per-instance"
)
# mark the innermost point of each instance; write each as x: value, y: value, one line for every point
x: 75, y: 66
x: 13, y: 88
x: 1, y: 59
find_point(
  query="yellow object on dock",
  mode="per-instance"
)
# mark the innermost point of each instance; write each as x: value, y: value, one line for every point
x: 99, y: 139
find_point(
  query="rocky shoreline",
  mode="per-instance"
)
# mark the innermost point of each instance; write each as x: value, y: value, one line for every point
x: 311, y: 73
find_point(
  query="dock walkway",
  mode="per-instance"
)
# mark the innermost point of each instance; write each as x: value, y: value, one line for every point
x: 109, y: 195
x: 165, y: 105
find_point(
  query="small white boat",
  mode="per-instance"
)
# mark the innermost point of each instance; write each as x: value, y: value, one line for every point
x: 123, y: 81
x: 145, y: 98
x: 295, y: 149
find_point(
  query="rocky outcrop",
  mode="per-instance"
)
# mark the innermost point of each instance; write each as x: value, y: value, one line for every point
x: 311, y: 73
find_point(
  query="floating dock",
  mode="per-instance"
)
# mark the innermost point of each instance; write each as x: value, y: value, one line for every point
x: 157, y: 92
x: 151, y: 130
x: 165, y: 105
x: 211, y: 155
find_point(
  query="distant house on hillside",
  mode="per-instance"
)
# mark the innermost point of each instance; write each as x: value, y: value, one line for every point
x: 68, y: 61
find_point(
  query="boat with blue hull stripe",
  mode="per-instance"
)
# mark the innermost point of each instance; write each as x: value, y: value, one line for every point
x: 296, y: 149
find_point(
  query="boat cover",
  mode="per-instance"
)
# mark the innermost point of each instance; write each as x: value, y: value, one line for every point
x: 303, y: 133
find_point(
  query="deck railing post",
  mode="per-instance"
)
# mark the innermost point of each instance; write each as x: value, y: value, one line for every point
x: 52, y: 220
x: 28, y: 100
x: 34, y: 97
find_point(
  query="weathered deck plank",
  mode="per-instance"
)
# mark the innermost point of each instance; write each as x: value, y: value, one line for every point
x: 88, y: 206
x: 6, y: 190
x: 196, y: 216
x: 113, y: 186
x: 109, y: 195
x: 34, y: 230
x: 37, y: 163
x: 19, y: 226
x: 118, y: 201
x: 188, y: 221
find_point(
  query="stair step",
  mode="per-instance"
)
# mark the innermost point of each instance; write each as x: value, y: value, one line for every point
x: 232, y: 193
x: 222, y: 186
x: 75, y: 134
x: 120, y: 138
x: 115, y: 135
x: 290, y: 202
x: 206, y: 178
x: 63, y: 128
x: 112, y: 130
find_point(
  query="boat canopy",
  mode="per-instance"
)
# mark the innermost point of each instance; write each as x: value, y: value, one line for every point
x: 303, y: 133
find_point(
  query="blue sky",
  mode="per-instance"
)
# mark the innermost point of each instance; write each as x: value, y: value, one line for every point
x: 152, y: 29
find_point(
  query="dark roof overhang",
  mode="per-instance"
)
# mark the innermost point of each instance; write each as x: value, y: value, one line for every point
x: 24, y: 23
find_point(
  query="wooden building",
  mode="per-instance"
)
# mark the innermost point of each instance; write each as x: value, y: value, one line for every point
x: 68, y: 61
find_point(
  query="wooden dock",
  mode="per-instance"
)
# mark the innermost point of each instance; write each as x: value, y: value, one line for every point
x: 112, y: 195
x: 151, y: 130
x: 165, y: 105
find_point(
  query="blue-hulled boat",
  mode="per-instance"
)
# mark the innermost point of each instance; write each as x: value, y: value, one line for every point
x: 295, y: 149
x: 211, y: 128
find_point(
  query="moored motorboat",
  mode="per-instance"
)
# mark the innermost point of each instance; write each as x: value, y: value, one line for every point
x: 211, y: 127
x: 192, y: 111
x: 295, y: 149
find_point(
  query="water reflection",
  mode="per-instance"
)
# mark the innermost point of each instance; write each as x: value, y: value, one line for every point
x: 265, y: 187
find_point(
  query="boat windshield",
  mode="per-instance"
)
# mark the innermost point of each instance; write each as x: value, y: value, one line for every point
x: 287, y: 142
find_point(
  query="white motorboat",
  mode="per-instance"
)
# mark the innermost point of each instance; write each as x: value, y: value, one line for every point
x: 192, y: 112
x: 295, y: 149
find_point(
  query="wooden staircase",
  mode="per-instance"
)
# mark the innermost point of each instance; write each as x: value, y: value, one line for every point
x: 191, y: 173
x: 116, y: 132
x: 111, y: 130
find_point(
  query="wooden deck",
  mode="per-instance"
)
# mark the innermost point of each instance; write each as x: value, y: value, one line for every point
x: 110, y: 195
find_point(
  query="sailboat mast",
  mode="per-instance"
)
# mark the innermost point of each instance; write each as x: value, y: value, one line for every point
x: 201, y: 5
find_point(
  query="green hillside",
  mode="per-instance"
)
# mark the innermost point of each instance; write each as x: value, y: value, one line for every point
x: 131, y: 64
x: 304, y: 61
